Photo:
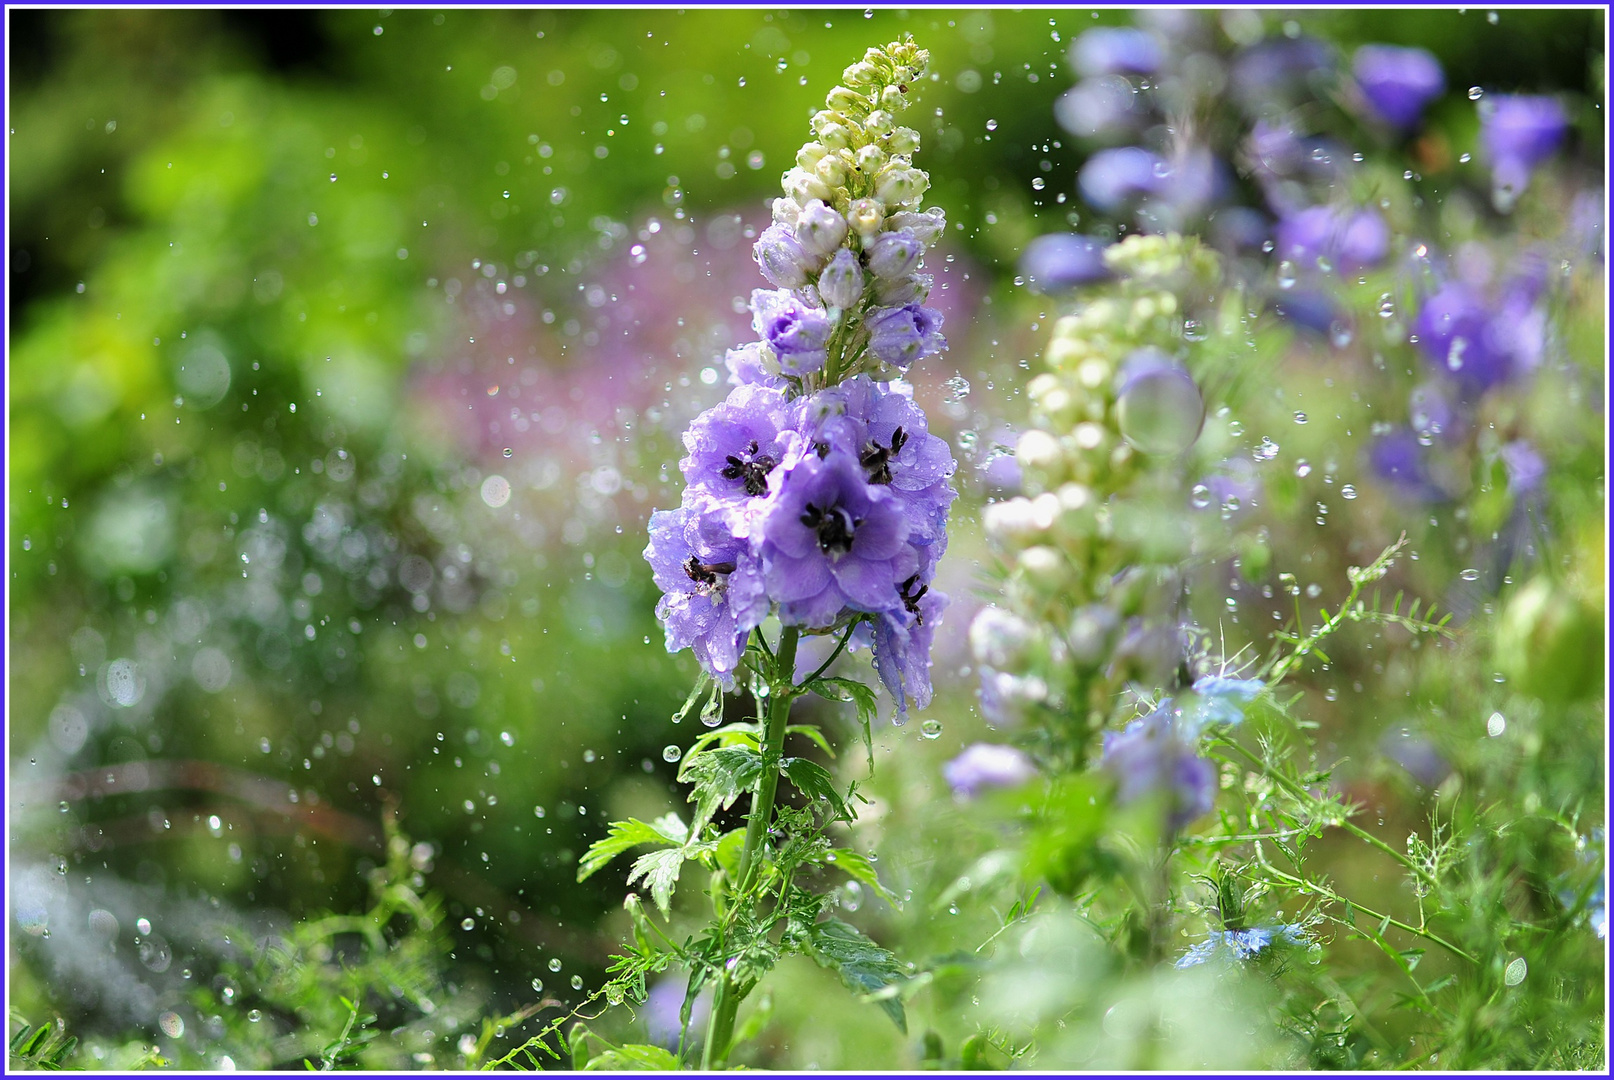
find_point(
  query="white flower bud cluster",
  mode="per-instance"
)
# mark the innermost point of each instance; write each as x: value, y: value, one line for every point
x: 854, y: 189
x: 1069, y: 541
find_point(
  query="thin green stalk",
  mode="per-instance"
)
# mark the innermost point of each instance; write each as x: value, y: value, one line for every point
x: 1329, y: 894
x: 1355, y: 830
x: 846, y: 637
x: 720, y: 1029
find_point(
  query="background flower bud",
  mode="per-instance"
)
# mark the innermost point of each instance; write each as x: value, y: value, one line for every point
x: 1001, y: 639
x: 1044, y: 567
x: 1038, y: 451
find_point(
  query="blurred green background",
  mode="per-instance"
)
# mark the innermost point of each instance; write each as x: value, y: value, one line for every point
x: 349, y: 354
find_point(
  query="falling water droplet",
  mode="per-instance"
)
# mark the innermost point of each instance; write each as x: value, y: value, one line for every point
x: 508, y: 452
x: 1495, y: 725
x: 1470, y: 574
x: 1038, y: 183
x: 577, y: 982
x: 1300, y: 417
x: 1475, y: 93
x: 931, y: 729
x: 1200, y: 496
x: 1348, y: 492
x: 537, y: 986
x: 671, y: 752
x: 991, y: 125
x: 554, y: 965
x: 958, y: 388
x: 1286, y: 275
x: 467, y: 923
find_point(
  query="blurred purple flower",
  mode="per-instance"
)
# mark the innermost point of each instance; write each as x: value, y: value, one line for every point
x: 1309, y: 308
x: 1232, y: 490
x: 1525, y: 467
x: 1057, y: 261
x: 987, y: 765
x: 1417, y: 755
x: 1352, y: 240
x: 1480, y: 342
x: 745, y: 366
x: 1110, y: 179
x: 1519, y: 132
x: 1221, y: 699
x: 1151, y: 757
x: 1399, y: 458
x: 1007, y: 698
x: 662, y: 1006
x: 1280, y: 71
x: 1115, y: 50
x: 1398, y: 82
x: 1239, y: 229
x: 1100, y: 108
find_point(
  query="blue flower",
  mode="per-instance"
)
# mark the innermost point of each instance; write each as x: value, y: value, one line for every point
x: 712, y: 586
x: 1112, y: 178
x: 1397, y: 82
x: 1244, y: 945
x: 1220, y: 698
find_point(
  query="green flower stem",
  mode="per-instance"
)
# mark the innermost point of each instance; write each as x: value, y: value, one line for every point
x: 1355, y: 830
x: 720, y: 1031
x: 1326, y: 893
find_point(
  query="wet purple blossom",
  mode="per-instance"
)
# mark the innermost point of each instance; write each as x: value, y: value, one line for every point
x: 733, y: 447
x: 832, y: 541
x: 841, y: 283
x: 713, y: 589
x: 1311, y: 309
x: 1519, y: 132
x: 1525, y: 467
x: 746, y: 364
x: 1398, y: 83
x: 1245, y: 944
x: 1222, y: 700
x: 894, y: 254
x: 1151, y: 758
x: 898, y: 292
x: 782, y: 258
x: 1057, y: 261
x: 662, y: 1007
x: 902, y: 640
x: 901, y: 335
x: 1116, y: 50
x: 984, y: 765
x: 796, y: 332
x: 1110, y: 179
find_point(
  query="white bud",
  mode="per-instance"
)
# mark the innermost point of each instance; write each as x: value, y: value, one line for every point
x: 892, y: 99
x: 835, y: 137
x: 1001, y: 639
x: 785, y: 211
x: 904, y: 140
x: 1038, y: 450
x: 804, y: 186
x: 1011, y: 522
x: 831, y: 171
x: 901, y: 186
x: 1044, y: 566
x: 870, y: 160
x: 879, y: 124
x: 926, y: 225
x: 865, y: 216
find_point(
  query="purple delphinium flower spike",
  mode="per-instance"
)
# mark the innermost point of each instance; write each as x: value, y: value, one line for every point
x: 796, y: 332
x: 1519, y: 132
x: 713, y: 589
x: 1151, y: 757
x: 1398, y: 82
x: 832, y: 541
x: 747, y: 364
x: 987, y: 765
x: 732, y: 447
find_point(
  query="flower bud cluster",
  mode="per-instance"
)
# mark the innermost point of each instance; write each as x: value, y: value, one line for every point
x: 816, y: 491
x: 1091, y: 585
x: 847, y: 242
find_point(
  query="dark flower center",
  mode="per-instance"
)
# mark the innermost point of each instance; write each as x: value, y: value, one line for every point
x: 706, y: 575
x: 910, y: 599
x: 834, y: 527
x: 877, y: 459
x: 752, y: 470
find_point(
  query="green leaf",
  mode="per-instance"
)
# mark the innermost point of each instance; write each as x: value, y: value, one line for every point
x: 635, y: 1057
x: 863, y: 966
x: 755, y: 1021
x: 857, y: 694
x: 668, y: 829
x: 857, y: 867
x: 812, y: 732
x: 740, y: 734
x: 815, y: 781
x: 700, y: 684
x: 660, y: 872
x: 729, y: 849
x: 719, y: 777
